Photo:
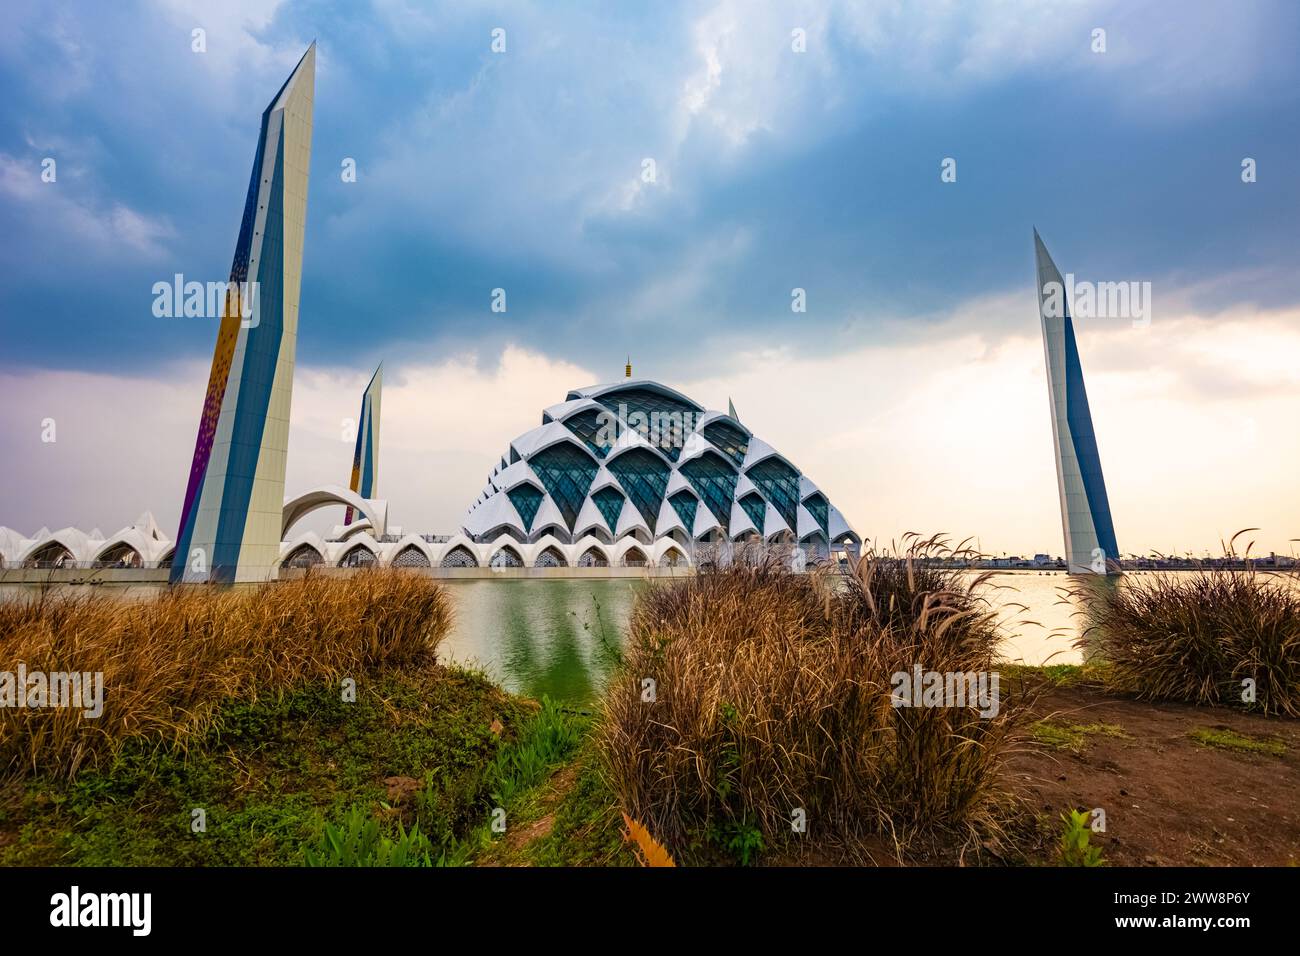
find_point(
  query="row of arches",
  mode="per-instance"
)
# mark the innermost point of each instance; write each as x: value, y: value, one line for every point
x: 133, y: 547
x: 459, y: 551
x: 73, y: 549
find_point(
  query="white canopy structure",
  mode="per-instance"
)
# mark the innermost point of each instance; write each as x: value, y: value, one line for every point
x: 295, y: 508
x: 629, y: 475
x: 639, y: 467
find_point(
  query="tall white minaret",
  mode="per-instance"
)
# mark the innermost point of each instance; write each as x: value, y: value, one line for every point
x: 1090, y: 546
x: 234, y: 500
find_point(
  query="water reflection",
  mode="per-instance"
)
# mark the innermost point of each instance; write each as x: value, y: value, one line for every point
x: 1040, y: 616
x: 553, y: 637
x: 1090, y: 595
x: 559, y: 636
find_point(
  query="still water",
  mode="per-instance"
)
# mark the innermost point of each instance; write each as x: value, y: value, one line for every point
x: 538, y: 637
x: 553, y: 636
x: 550, y: 636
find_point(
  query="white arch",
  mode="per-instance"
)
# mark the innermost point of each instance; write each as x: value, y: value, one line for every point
x: 439, y: 550
x: 590, y: 516
x: 144, y: 537
x: 391, y: 551
x: 666, y: 546
x: 134, y: 542
x: 649, y: 385
x: 343, y: 532
x: 624, y: 545
x: 587, y: 543
x: 548, y: 530
x: 77, y: 543
x: 501, y: 544
x: 534, y: 550
x: 338, y: 550
x: 375, y: 509
x: 12, y: 544
x: 630, y: 522
x: 629, y: 441
x: 309, y: 538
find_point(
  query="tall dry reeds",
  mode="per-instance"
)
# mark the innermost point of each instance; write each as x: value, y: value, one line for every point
x: 169, y: 661
x: 771, y: 701
x: 1209, y: 636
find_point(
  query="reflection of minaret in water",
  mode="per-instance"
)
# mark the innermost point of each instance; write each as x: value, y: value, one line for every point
x: 1090, y: 546
x: 1090, y: 593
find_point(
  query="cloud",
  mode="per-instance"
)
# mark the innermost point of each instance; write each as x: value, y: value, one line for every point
x: 111, y: 230
x: 124, y: 442
x: 522, y: 170
x: 950, y: 434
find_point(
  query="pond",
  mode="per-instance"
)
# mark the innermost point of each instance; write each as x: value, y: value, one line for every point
x: 538, y: 637
x: 555, y: 636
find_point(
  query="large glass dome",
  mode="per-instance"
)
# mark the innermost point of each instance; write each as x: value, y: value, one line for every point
x: 639, y: 459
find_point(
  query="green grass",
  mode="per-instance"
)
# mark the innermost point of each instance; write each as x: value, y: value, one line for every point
x: 1075, y: 845
x: 588, y: 830
x: 269, y: 774
x: 359, y: 841
x: 300, y: 778
x: 1057, y: 675
x: 1066, y: 736
x: 1224, y: 739
x: 514, y: 781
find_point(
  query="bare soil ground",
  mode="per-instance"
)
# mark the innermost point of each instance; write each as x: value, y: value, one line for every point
x: 1169, y: 799
x: 1180, y: 785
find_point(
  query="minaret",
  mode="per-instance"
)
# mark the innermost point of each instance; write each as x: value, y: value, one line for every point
x: 231, y: 517
x: 365, y: 458
x: 627, y: 372
x: 1085, y: 510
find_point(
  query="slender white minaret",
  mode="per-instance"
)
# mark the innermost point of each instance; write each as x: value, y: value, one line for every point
x: 231, y: 518
x: 1085, y: 511
x: 365, y: 459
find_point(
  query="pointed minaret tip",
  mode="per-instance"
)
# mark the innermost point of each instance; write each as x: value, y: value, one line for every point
x: 1047, y: 270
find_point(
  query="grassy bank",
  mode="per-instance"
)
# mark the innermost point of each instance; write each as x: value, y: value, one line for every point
x: 304, y: 722
x: 167, y: 665
x: 312, y: 723
x: 262, y: 782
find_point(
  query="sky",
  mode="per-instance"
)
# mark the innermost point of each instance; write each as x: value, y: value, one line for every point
x: 912, y: 387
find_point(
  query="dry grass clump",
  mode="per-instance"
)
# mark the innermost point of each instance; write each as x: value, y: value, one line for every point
x: 1196, y: 636
x: 167, y: 662
x: 773, y: 694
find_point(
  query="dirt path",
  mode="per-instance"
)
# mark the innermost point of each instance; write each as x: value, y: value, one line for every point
x: 512, y: 850
x: 1168, y: 798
